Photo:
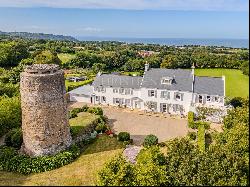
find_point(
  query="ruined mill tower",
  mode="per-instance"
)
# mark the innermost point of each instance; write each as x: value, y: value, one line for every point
x: 45, y: 122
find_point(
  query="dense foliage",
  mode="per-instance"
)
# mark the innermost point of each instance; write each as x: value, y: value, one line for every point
x: 150, y: 140
x: 123, y: 136
x: 225, y: 162
x: 14, y: 138
x: 10, y: 114
x: 11, y: 160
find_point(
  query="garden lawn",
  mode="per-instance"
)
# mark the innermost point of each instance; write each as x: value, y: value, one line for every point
x: 82, y: 172
x: 82, y: 120
x: 65, y: 57
x: 237, y: 84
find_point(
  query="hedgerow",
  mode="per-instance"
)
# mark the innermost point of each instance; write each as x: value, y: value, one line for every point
x: 10, y: 160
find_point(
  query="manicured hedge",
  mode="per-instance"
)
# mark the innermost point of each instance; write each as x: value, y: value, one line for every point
x: 10, y: 160
x: 201, y: 138
x: 150, y: 140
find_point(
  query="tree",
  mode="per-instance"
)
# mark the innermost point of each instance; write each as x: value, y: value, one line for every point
x: 98, y: 67
x: 169, y: 61
x: 12, y: 53
x: 47, y: 57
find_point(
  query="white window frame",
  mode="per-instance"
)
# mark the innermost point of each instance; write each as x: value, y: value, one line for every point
x: 166, y: 81
x: 208, y: 98
x: 199, y: 98
x: 179, y: 95
x: 152, y: 93
x: 97, y: 98
x: 216, y: 98
x: 103, y: 98
x: 115, y: 90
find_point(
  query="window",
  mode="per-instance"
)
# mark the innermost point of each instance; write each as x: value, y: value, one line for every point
x: 166, y: 80
x: 179, y: 96
x: 127, y: 102
x: 216, y: 99
x: 121, y: 90
x: 152, y: 93
x: 102, y: 89
x: 165, y: 94
x: 208, y: 98
x: 97, y: 98
x: 127, y: 91
x: 116, y: 101
x: 115, y: 90
x: 99, y: 89
x: 200, y: 99
x: 104, y: 99
x: 163, y: 107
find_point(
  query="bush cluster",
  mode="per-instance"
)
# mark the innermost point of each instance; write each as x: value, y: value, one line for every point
x: 123, y: 136
x: 14, y: 138
x: 73, y: 113
x: 95, y: 110
x: 192, y: 135
x: 150, y: 140
x: 10, y: 160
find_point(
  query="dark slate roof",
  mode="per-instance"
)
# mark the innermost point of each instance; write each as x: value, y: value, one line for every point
x: 209, y: 85
x: 117, y: 81
x: 182, y: 79
x: 83, y: 90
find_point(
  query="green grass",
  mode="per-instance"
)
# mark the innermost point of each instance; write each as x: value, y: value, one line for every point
x: 82, y: 172
x: 65, y: 57
x: 201, y: 138
x: 237, y: 84
x: 82, y: 120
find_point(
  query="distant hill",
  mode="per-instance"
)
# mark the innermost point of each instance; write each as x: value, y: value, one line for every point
x: 38, y: 36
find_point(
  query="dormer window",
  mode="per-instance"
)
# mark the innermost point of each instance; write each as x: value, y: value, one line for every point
x: 167, y: 80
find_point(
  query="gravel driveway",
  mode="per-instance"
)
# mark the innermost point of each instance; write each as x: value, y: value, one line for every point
x: 141, y: 125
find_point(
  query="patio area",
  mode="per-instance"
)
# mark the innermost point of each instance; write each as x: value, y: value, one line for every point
x: 140, y: 124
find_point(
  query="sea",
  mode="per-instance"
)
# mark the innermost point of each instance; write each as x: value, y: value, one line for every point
x: 233, y: 43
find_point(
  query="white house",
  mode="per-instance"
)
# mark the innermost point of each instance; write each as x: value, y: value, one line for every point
x: 174, y: 91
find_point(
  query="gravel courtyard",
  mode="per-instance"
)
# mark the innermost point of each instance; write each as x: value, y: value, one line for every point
x: 138, y: 124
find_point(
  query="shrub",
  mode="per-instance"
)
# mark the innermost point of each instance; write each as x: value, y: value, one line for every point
x: 14, y: 138
x: 95, y: 110
x: 192, y: 135
x: 191, y: 119
x: 101, y: 127
x: 236, y: 102
x: 72, y: 114
x: 85, y: 108
x: 10, y: 114
x: 123, y: 136
x: 10, y: 160
x: 150, y: 140
x: 201, y: 138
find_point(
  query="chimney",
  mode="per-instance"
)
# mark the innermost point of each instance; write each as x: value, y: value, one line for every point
x: 146, y: 66
x: 193, y: 77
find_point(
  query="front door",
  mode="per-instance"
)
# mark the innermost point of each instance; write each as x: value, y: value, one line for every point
x: 137, y: 104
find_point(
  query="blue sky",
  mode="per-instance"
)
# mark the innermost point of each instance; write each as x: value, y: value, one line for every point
x: 130, y: 18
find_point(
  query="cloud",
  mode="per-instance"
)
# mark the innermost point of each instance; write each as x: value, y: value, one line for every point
x: 201, y: 5
x: 89, y: 29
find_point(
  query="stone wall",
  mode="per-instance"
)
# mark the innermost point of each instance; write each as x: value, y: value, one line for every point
x: 45, y: 122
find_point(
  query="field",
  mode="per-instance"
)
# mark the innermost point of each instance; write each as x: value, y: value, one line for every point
x: 237, y: 84
x: 65, y: 57
x: 82, y: 172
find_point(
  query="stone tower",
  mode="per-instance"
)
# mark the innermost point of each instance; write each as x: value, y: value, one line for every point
x: 45, y: 123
